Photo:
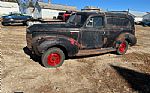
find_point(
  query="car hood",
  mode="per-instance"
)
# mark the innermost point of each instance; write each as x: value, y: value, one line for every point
x: 4, y: 16
x: 51, y: 27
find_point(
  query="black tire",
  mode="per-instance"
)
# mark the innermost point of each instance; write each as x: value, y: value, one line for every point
x: 24, y: 23
x: 53, y: 58
x: 4, y: 24
x: 122, y: 48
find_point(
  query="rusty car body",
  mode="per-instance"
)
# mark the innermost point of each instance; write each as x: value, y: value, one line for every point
x: 84, y: 33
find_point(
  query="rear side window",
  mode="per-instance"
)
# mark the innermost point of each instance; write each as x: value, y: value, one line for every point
x: 113, y: 21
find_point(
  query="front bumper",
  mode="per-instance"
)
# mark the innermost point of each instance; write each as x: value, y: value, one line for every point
x: 12, y: 21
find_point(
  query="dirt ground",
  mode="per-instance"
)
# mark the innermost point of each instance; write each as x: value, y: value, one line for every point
x: 105, y: 73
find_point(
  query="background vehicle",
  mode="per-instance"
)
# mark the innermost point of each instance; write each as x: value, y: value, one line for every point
x: 85, y: 33
x: 146, y: 22
x: 64, y: 15
x: 15, y: 18
x: 138, y: 20
x: 60, y: 15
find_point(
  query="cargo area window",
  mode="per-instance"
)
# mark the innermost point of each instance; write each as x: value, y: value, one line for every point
x: 114, y: 21
x: 96, y: 22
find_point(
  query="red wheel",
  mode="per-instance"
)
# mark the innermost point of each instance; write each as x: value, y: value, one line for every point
x: 123, y: 47
x: 53, y: 57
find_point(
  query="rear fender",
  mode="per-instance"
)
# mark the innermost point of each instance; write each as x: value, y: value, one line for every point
x: 131, y: 39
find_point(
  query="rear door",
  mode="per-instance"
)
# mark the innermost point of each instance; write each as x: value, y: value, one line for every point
x: 92, y: 34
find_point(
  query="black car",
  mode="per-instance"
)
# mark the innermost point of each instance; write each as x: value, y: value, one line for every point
x: 85, y: 33
x: 15, y: 18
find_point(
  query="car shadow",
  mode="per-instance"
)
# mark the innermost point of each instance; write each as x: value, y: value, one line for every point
x: 32, y: 56
x: 38, y: 58
x: 139, y: 82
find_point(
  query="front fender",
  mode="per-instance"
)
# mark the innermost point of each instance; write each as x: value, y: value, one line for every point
x: 68, y: 44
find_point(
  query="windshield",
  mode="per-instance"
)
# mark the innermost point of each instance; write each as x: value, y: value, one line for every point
x: 77, y: 19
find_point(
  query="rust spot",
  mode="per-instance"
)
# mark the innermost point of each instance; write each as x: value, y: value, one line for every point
x: 73, y: 42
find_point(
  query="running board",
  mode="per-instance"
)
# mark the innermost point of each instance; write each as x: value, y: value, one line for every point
x: 94, y: 51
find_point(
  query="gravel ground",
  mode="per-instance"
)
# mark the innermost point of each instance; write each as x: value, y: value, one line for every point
x: 105, y: 73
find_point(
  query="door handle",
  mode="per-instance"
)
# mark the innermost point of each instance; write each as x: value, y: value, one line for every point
x: 104, y: 33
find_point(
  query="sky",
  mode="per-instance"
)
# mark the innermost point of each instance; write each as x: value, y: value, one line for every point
x: 134, y: 5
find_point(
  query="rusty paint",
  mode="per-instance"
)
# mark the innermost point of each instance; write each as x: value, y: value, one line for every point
x: 73, y: 42
x: 75, y: 38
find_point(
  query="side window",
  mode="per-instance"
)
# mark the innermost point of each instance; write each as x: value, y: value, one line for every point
x: 113, y: 21
x: 90, y: 23
x: 95, y: 22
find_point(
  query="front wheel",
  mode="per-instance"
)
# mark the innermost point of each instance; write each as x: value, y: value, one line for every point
x: 53, y: 57
x: 123, y: 47
x: 4, y: 24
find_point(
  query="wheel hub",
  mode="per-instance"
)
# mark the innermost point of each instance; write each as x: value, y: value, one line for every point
x: 122, y: 47
x: 53, y: 59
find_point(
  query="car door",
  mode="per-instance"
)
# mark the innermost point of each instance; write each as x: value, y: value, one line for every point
x: 92, y: 34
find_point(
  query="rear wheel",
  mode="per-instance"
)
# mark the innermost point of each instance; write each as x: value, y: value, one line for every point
x: 53, y: 57
x: 123, y: 47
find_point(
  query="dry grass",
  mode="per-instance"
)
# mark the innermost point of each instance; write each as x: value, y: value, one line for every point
x: 107, y: 73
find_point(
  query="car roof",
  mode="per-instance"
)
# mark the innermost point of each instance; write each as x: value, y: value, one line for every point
x: 87, y: 13
x: 111, y: 13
